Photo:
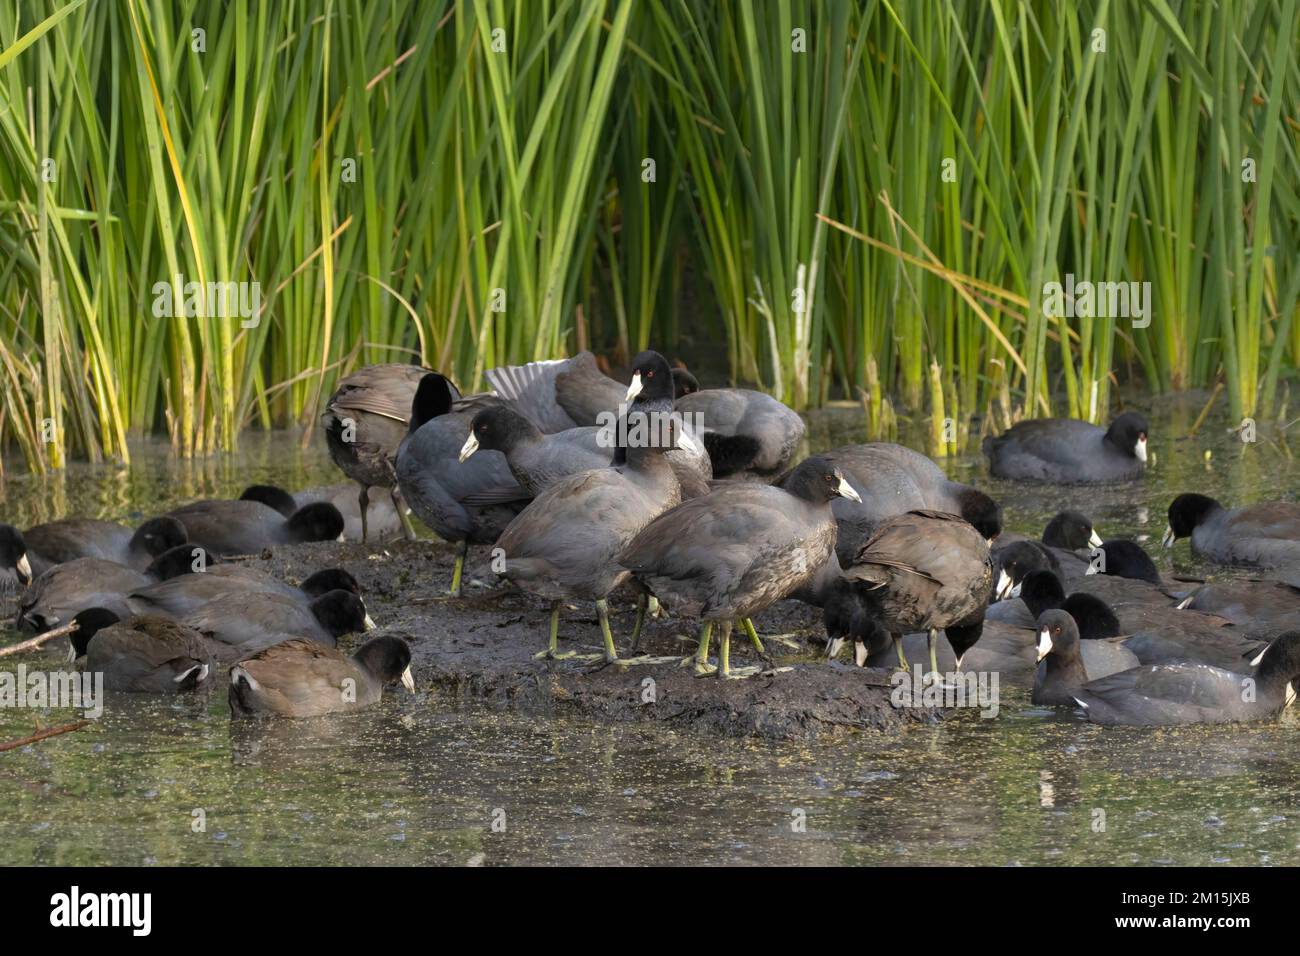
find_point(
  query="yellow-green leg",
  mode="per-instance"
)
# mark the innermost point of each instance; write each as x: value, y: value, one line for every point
x: 902, y: 658
x: 642, y: 604
x: 748, y: 625
x: 700, y: 659
x: 602, y: 612
x: 932, y: 641
x: 724, y: 650
x: 408, y: 529
x: 552, y: 651
x: 458, y: 569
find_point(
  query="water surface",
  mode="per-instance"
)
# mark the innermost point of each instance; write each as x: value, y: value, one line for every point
x: 428, y: 780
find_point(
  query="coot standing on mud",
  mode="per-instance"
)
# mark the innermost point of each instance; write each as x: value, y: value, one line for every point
x: 727, y: 555
x: 564, y: 546
x: 926, y: 571
x: 444, y: 492
x: 364, y: 421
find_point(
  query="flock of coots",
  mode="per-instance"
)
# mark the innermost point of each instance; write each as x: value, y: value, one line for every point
x: 692, y: 497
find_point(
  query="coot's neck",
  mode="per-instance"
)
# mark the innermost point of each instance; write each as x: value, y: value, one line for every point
x: 1067, y: 665
x: 1276, y: 670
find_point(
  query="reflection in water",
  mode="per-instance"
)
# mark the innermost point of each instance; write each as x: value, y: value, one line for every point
x: 427, y: 780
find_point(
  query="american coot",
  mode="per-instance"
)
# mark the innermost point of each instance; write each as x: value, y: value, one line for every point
x: 58, y: 594
x: 926, y: 571
x: 1017, y: 560
x: 731, y: 553
x: 70, y: 538
x: 536, y: 460
x: 1009, y: 651
x: 381, y: 516
x: 651, y: 392
x: 15, y: 566
x: 187, y: 594
x: 745, y: 432
x: 1123, y: 558
x: 146, y: 654
x: 364, y: 421
x: 1167, y: 694
x: 565, y: 545
x: 1042, y: 591
x: 1266, y: 535
x: 1250, y: 603
x: 1061, y: 672
x: 557, y: 394
x: 1069, y: 451
x: 246, y: 527
x: 1067, y: 663
x: 241, y: 624
x: 1072, y: 531
x: 566, y: 393
x: 300, y: 678
x: 439, y: 487
x: 892, y: 480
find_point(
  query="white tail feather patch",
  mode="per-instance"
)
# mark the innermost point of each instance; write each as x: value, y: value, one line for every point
x: 238, y: 674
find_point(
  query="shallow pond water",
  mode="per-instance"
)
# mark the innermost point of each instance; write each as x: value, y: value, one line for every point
x: 424, y: 781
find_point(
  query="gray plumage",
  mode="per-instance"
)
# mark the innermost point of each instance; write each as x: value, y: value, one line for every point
x: 738, y: 549
x: 1069, y: 451
x: 565, y: 544
x: 1167, y: 694
x: 775, y: 429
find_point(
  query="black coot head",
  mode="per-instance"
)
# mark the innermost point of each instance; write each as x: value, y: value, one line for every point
x: 318, y: 521
x: 818, y: 480
x: 272, y: 496
x: 652, y: 378
x: 1281, y: 658
x: 1041, y: 591
x: 647, y: 436
x: 843, y: 612
x: 341, y: 612
x: 13, y: 553
x: 1123, y: 558
x: 1057, y: 634
x: 330, y: 579
x: 388, y: 659
x: 1128, y: 434
x: 684, y: 383
x: 964, y: 636
x: 1187, y: 511
x: 182, y: 559
x: 1019, y: 559
x: 434, y: 396
x: 160, y: 534
x: 1069, y: 530
x: 1092, y: 616
x: 499, y: 428
x: 982, y: 512
x: 89, y: 623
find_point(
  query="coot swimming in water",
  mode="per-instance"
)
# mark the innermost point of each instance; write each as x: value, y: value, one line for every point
x: 1265, y: 535
x: 1166, y: 694
x: 1069, y: 451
